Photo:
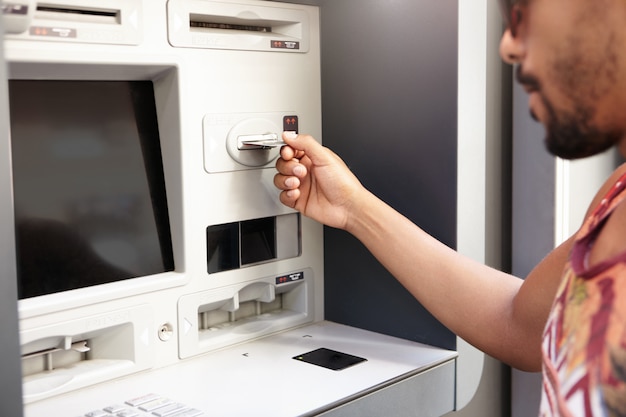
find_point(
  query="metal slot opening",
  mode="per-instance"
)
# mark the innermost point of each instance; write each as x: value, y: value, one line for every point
x: 50, y: 359
x: 229, y: 26
x: 94, y: 15
x: 199, y: 22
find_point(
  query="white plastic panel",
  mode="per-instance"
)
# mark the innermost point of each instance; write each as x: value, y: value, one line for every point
x: 261, y: 378
x: 227, y: 320
x: 118, y: 344
x: 116, y: 22
x: 16, y: 15
x: 221, y: 25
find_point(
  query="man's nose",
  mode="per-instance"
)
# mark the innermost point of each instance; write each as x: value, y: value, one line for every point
x: 511, y: 48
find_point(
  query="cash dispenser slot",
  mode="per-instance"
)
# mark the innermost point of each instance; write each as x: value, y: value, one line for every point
x: 75, y: 354
x: 222, y: 317
x: 221, y: 25
x: 65, y: 352
x: 248, y: 305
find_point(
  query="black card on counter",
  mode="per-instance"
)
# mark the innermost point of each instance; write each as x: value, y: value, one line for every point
x: 330, y: 359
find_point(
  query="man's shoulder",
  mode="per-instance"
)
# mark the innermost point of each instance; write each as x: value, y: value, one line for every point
x: 604, y: 190
x: 611, y: 241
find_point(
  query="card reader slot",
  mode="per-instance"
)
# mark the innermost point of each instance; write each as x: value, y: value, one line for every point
x: 260, y: 141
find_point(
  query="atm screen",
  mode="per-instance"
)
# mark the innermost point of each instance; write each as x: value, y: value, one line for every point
x: 89, y: 190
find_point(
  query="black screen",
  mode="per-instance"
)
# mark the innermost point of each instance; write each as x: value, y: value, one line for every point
x: 258, y: 240
x: 89, y: 189
x: 233, y: 245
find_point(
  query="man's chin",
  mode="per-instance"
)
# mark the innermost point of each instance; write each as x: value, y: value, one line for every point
x: 572, y: 147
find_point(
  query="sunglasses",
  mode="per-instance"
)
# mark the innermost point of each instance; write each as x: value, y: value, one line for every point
x: 512, y: 14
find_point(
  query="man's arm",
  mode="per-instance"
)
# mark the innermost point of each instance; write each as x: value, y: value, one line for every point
x: 500, y: 314
x: 494, y: 311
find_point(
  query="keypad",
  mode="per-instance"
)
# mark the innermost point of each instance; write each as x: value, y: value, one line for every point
x: 152, y: 405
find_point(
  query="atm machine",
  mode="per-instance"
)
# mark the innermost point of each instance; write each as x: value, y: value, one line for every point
x: 10, y: 386
x: 157, y: 272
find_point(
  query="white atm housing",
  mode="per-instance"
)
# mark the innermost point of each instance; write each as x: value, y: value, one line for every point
x: 220, y: 330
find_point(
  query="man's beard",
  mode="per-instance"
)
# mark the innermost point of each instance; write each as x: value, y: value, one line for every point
x: 570, y: 135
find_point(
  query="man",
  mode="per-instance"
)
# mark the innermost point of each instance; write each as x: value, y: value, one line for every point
x: 568, y: 317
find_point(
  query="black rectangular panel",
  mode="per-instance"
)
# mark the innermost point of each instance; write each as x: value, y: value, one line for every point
x: 330, y: 359
x: 223, y: 247
x: 258, y: 240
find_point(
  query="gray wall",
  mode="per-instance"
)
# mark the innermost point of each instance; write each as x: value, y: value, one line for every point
x: 10, y: 371
x: 533, y: 224
x: 389, y: 93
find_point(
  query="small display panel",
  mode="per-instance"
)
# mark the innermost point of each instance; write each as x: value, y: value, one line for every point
x: 237, y: 244
x: 223, y: 247
x: 251, y: 242
x: 330, y: 359
x: 89, y: 188
x: 258, y: 240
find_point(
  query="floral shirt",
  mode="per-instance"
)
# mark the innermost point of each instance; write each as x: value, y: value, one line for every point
x: 584, y: 342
